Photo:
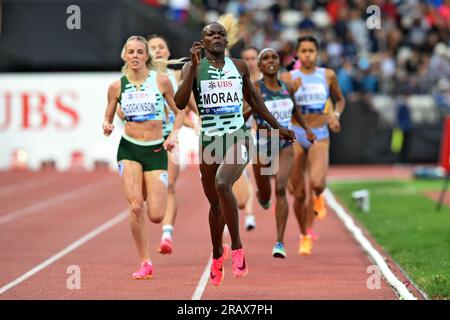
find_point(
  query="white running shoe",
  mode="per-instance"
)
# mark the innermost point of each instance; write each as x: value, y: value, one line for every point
x: 250, y: 222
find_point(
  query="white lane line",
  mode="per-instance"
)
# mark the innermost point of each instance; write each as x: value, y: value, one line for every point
x: 10, y: 216
x: 203, y: 281
x: 18, y: 187
x: 367, y: 246
x: 107, y: 225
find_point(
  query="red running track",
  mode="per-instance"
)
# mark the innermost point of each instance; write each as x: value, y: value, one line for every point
x: 55, y: 210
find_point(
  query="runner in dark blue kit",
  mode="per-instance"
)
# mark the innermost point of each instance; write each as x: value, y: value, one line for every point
x: 279, y: 100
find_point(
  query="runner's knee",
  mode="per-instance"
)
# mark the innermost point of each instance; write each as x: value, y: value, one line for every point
x: 156, y: 218
x: 155, y: 214
x: 280, y: 191
x: 318, y: 185
x: 215, y: 209
x: 137, y: 206
x: 300, y: 195
x: 222, y: 186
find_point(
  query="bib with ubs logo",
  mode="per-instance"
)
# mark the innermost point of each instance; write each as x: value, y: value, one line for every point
x: 219, y: 98
x: 144, y: 104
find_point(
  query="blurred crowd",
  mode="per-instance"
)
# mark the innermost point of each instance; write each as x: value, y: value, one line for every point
x: 406, y: 52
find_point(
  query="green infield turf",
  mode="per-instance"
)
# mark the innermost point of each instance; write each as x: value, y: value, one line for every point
x: 404, y: 222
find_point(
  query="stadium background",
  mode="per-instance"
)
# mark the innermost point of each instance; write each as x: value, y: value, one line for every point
x: 53, y: 84
x: 53, y: 80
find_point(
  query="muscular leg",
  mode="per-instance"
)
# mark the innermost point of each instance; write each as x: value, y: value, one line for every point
x: 243, y: 191
x: 156, y: 184
x: 281, y: 206
x: 240, y: 191
x: 309, y: 204
x: 317, y: 170
x: 249, y: 204
x: 227, y: 174
x: 299, y: 187
x: 216, y: 220
x: 262, y: 182
x: 132, y: 179
x: 171, y: 210
x: 318, y: 165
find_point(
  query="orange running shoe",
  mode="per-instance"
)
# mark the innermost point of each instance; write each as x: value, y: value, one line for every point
x: 305, y: 245
x: 319, y: 207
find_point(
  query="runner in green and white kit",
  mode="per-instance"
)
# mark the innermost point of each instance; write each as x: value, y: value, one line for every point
x: 159, y: 50
x: 220, y: 84
x: 141, y: 155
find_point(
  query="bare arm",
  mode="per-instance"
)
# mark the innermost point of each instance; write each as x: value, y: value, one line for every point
x: 113, y: 98
x: 336, y: 92
x: 187, y: 77
x: 295, y: 113
x: 165, y: 86
x: 256, y: 102
x: 254, y: 99
x: 192, y: 105
x: 286, y: 77
x: 247, y: 111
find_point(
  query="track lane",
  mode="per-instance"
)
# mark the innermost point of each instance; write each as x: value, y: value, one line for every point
x: 336, y: 270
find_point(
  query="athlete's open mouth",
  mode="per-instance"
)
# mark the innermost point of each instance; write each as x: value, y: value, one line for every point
x: 217, y: 44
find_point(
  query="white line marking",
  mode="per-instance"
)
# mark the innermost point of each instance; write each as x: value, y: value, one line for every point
x: 367, y: 246
x: 26, y: 184
x: 107, y: 225
x: 354, y: 180
x: 8, y: 217
x: 203, y: 281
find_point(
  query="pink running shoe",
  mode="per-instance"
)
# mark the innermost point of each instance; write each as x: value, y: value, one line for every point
x: 239, y: 263
x: 313, y: 234
x: 166, y: 246
x: 144, y: 272
x: 217, y: 272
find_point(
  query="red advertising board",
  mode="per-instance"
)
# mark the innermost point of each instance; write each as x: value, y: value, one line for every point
x: 445, y: 146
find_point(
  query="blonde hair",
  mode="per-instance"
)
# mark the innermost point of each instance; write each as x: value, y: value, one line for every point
x: 230, y: 23
x: 159, y: 65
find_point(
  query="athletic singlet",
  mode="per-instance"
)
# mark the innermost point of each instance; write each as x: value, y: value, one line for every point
x: 279, y: 103
x: 145, y: 104
x: 313, y: 93
x: 170, y: 119
x: 219, y: 98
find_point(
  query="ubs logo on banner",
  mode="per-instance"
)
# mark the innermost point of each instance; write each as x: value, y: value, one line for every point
x: 36, y: 110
